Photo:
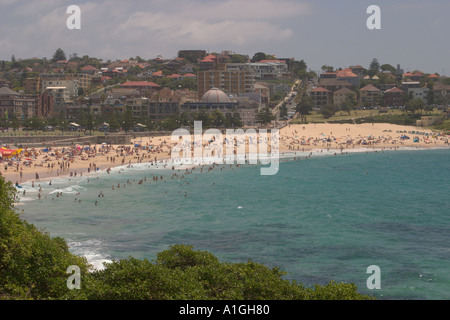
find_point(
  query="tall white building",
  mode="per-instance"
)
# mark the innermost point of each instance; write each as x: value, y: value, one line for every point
x: 263, y: 70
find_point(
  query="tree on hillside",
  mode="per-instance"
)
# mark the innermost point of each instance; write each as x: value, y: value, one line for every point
x: 348, y: 105
x: 238, y: 58
x: 32, y: 265
x: 258, y: 57
x: 265, y: 116
x: 298, y: 68
x: 388, y: 67
x: 415, y: 105
x: 59, y: 55
x: 283, y: 111
x: 327, y: 111
x: 374, y: 67
x: 127, y: 120
x: 327, y: 68
x: 304, y: 107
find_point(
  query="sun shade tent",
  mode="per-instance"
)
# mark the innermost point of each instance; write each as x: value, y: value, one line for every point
x: 74, y: 124
x: 8, y: 153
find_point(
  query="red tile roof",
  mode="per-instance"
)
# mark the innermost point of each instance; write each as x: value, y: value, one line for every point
x: 320, y: 89
x: 369, y: 87
x: 89, y: 67
x: 210, y: 56
x: 345, y: 73
x: 173, y: 76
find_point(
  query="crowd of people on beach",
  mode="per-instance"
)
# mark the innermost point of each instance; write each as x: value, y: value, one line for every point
x: 37, y: 163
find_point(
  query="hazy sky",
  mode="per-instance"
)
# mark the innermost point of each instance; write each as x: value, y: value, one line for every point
x: 333, y: 32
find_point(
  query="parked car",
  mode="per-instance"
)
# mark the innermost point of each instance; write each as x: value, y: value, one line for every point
x: 49, y: 128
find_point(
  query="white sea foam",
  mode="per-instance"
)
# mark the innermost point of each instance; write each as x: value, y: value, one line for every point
x: 92, y: 251
x: 69, y: 190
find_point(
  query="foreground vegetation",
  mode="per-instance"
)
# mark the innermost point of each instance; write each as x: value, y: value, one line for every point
x: 33, y: 266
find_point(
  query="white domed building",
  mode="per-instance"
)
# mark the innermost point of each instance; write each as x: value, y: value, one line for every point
x: 214, y: 95
x: 216, y: 99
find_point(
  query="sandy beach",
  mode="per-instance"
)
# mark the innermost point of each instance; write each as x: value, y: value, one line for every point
x: 35, y: 164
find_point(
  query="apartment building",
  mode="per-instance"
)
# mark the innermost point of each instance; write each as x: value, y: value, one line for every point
x: 370, y: 96
x: 321, y: 97
x: 232, y: 82
x: 14, y: 104
x: 263, y: 70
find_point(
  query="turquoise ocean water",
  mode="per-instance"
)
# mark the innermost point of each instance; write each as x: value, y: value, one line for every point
x: 320, y: 219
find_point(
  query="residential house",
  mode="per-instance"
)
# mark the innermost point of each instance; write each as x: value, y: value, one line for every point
x: 406, y: 85
x: 264, y: 93
x: 328, y: 75
x: 207, y: 63
x: 334, y: 84
x: 370, y: 96
x: 139, y: 106
x: 394, y: 97
x: 160, y: 110
x: 32, y: 85
x: 321, y: 97
x: 61, y: 95
x: 413, y: 76
x: 349, y: 76
x: 441, y: 93
x: 187, y: 68
x: 84, y: 80
x: 174, y: 76
x: 89, y: 70
x: 14, y: 104
x: 419, y: 93
x: 434, y: 77
x: 340, y: 96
